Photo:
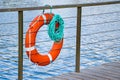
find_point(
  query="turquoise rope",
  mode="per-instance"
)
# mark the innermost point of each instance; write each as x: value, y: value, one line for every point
x: 56, y: 34
x: 50, y: 8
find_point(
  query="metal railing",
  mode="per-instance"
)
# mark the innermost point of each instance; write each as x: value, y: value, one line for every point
x: 78, y: 30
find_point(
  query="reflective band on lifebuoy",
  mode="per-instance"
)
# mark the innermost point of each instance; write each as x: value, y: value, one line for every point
x: 50, y: 57
x: 30, y: 48
x: 35, y: 57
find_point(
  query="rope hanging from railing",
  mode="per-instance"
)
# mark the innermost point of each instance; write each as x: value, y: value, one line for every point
x: 55, y: 28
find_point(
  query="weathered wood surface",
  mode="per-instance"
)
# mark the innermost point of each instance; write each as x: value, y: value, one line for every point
x: 108, y: 71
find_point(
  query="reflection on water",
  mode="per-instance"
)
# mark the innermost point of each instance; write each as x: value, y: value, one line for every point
x: 100, y: 42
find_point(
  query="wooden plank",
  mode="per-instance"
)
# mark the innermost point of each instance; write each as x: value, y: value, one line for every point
x: 64, y: 77
x: 114, y: 64
x: 56, y: 78
x: 104, y: 74
x: 109, y: 71
x: 94, y: 75
x: 81, y: 76
x: 112, y: 69
x: 52, y: 79
x: 69, y: 76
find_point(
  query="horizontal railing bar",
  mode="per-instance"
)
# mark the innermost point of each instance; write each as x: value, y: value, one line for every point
x: 66, y: 47
x: 101, y: 32
x: 117, y: 38
x: 33, y: 21
x: 64, y: 17
x: 57, y: 6
x: 81, y: 44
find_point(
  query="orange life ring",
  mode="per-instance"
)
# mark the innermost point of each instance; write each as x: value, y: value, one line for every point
x: 35, y: 57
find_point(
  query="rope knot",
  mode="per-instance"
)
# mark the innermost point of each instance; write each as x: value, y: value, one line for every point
x: 55, y: 28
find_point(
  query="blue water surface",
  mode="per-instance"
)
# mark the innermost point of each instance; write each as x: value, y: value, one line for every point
x: 100, y: 40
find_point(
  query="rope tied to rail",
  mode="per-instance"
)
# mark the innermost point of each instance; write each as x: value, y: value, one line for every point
x: 55, y: 28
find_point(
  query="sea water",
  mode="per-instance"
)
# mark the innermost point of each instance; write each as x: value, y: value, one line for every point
x: 100, y: 39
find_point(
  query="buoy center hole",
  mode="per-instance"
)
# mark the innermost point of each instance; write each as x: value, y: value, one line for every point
x: 43, y: 42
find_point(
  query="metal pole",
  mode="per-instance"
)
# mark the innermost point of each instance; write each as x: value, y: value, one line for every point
x: 20, y: 43
x: 78, y: 38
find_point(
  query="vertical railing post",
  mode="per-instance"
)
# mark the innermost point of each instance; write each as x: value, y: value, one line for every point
x: 78, y: 38
x: 20, y: 43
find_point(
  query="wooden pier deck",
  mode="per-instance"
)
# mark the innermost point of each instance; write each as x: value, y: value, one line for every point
x: 108, y: 71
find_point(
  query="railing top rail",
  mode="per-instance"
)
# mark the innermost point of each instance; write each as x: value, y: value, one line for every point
x: 57, y: 6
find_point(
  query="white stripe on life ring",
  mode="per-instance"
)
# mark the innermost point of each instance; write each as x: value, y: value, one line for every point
x: 30, y: 48
x: 50, y: 57
x: 44, y: 17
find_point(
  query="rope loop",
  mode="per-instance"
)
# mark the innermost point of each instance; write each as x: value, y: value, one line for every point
x: 55, y: 28
x: 48, y: 6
